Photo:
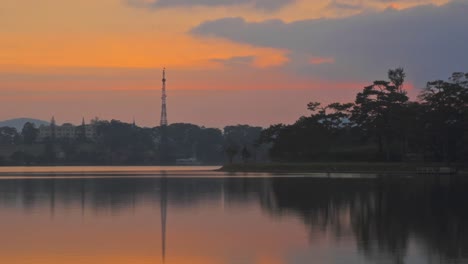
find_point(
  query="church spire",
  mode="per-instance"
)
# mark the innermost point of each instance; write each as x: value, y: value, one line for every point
x: 52, y: 128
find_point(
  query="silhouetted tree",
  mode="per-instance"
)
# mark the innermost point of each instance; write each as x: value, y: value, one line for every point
x: 446, y: 117
x: 50, y: 154
x: 231, y: 151
x: 209, y: 148
x: 245, y: 154
x: 122, y: 143
x: 379, y: 109
x: 334, y: 116
x: 242, y: 134
x: 21, y: 158
x: 311, y: 136
x: 381, y: 120
x: 29, y: 133
x: 9, y: 136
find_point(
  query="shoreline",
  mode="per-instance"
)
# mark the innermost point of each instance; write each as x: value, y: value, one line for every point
x: 409, y: 169
x: 342, y: 167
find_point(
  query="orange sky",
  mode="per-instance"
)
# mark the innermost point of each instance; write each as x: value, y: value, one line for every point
x: 54, y: 54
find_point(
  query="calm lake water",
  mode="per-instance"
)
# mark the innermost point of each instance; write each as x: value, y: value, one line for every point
x: 123, y: 215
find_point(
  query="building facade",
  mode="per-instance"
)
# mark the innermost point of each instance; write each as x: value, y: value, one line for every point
x: 66, y: 131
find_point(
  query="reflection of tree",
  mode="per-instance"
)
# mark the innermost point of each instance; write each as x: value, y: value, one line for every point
x: 384, y: 214
x: 321, y: 203
x: 120, y: 193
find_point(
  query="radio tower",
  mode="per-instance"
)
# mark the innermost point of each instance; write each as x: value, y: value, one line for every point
x: 163, y: 98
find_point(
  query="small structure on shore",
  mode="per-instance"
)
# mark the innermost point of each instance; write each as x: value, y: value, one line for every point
x: 436, y: 170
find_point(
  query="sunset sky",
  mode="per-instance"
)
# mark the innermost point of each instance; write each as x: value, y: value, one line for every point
x: 228, y: 61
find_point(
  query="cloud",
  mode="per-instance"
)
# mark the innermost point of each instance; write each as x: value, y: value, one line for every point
x: 235, y: 61
x: 321, y: 60
x: 429, y: 41
x: 266, y: 5
x: 359, y: 5
x: 345, y: 5
x: 267, y: 60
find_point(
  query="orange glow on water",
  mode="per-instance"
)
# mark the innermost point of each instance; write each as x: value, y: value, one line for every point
x: 215, y: 234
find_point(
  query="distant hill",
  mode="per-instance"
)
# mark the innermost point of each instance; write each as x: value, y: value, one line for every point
x: 18, y: 123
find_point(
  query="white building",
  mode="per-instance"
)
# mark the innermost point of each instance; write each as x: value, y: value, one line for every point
x: 65, y: 131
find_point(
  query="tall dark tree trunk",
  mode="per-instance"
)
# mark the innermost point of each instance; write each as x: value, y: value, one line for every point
x: 387, y: 151
x: 380, y: 142
x: 404, y: 147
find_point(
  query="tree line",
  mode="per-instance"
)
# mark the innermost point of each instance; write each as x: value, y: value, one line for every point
x: 122, y: 143
x: 382, y: 124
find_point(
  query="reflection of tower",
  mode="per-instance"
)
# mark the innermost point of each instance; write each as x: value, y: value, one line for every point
x: 163, y: 100
x: 83, y: 198
x: 163, y: 215
x: 52, y: 198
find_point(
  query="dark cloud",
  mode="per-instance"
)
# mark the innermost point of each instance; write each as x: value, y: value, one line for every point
x: 267, y: 5
x: 429, y: 41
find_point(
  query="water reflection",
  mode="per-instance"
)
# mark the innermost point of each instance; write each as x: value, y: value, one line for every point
x: 163, y: 215
x: 236, y: 220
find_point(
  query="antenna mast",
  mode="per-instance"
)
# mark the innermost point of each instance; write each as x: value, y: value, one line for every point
x: 163, y: 100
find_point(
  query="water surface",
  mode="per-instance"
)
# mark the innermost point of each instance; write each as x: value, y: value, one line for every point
x: 194, y: 215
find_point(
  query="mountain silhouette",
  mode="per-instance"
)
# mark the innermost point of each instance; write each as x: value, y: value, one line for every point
x: 18, y: 123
